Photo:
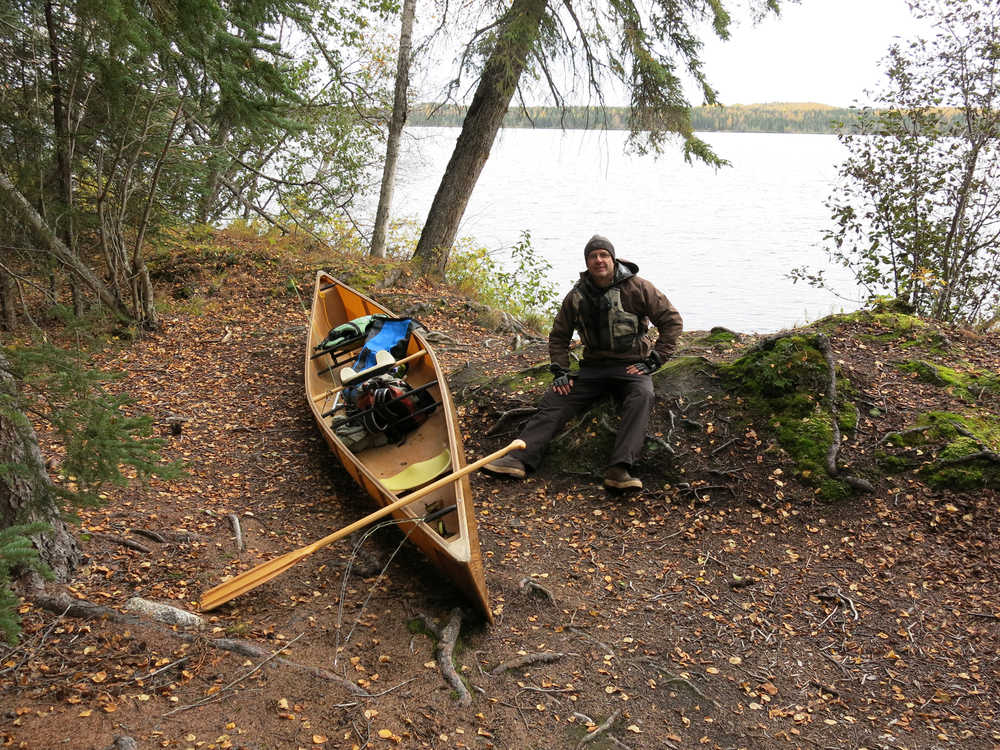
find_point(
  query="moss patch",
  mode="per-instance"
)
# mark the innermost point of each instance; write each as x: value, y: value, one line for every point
x: 968, y: 384
x: 718, y: 337
x: 783, y: 384
x: 940, y: 452
x: 888, y: 326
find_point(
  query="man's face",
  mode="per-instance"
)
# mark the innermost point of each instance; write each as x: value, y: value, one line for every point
x: 601, y: 266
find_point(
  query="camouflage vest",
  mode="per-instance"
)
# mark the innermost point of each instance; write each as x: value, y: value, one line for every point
x: 617, y: 330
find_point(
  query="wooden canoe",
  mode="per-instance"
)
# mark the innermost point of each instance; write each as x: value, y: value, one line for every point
x: 389, y: 472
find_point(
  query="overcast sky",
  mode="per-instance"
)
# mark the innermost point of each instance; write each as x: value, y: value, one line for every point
x: 825, y: 51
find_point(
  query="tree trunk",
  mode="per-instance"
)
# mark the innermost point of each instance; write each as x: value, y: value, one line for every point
x: 62, y: 146
x: 26, y: 495
x: 19, y: 207
x: 497, y: 85
x: 396, y: 123
x: 218, y: 160
x: 8, y: 293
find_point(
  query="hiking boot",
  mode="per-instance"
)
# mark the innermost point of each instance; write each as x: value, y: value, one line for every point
x: 507, y: 466
x: 618, y: 478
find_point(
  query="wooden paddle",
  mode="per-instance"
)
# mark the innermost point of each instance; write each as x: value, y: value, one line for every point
x: 272, y: 569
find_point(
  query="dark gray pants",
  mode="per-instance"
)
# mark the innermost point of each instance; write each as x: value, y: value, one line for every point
x: 633, y: 393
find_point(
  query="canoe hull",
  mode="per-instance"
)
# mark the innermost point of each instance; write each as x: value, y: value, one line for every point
x: 451, y: 540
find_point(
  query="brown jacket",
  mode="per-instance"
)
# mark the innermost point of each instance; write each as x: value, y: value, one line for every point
x: 613, y: 323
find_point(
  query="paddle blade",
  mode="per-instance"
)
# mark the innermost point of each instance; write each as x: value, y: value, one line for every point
x: 250, y: 579
x: 266, y: 571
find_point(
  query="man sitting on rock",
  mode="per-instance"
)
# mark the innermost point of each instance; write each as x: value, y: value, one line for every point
x: 611, y: 308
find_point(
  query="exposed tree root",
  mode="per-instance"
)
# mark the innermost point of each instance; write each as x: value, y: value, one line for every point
x: 528, y: 584
x: 120, y: 540
x: 984, y: 455
x: 544, y: 657
x: 67, y: 606
x: 151, y: 535
x: 234, y: 521
x: 823, y: 343
x: 445, y: 656
x: 508, y: 416
x: 445, y: 649
x: 605, y: 727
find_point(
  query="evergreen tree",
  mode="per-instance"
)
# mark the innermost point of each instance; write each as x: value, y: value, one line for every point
x: 117, y: 119
x: 646, y: 48
x: 97, y: 439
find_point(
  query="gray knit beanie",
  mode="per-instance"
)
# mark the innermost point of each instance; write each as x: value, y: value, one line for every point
x: 597, y: 242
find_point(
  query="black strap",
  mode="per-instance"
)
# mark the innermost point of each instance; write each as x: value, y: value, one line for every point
x: 439, y: 513
x: 410, y: 392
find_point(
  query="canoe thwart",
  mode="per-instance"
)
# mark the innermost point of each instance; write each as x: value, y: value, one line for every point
x: 419, y: 473
x: 383, y: 361
x: 339, y: 388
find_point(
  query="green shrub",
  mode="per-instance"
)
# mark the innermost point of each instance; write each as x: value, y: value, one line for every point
x: 525, y: 293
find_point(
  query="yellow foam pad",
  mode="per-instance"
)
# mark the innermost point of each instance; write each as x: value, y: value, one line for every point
x: 419, y: 473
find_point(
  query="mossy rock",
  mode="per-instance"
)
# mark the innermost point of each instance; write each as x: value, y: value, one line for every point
x: 691, y: 378
x: 968, y: 384
x: 585, y: 443
x: 779, y: 370
x: 894, y: 326
x: 783, y: 384
x: 945, y: 445
x: 532, y: 381
x: 718, y: 337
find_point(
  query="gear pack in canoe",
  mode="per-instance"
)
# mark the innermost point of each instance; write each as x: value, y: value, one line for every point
x: 378, y: 405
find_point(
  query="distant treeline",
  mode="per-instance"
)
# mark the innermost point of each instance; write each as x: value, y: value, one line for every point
x: 751, y: 118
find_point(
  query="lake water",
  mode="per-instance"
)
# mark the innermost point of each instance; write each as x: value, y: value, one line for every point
x: 718, y: 243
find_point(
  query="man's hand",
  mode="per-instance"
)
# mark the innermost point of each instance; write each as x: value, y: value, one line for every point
x: 562, y: 382
x: 648, y: 366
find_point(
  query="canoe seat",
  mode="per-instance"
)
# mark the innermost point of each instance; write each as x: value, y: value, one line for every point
x: 383, y: 361
x: 419, y: 473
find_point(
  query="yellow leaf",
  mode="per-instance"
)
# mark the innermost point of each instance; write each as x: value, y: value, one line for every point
x: 384, y: 734
x: 634, y: 729
x: 283, y: 704
x: 85, y: 712
x: 99, y: 677
x: 319, y: 739
x: 735, y: 660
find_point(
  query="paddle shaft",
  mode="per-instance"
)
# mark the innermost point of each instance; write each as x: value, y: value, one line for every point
x: 266, y: 571
x: 403, y: 361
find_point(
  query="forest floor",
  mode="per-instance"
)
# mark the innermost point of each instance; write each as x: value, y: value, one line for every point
x: 728, y: 609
